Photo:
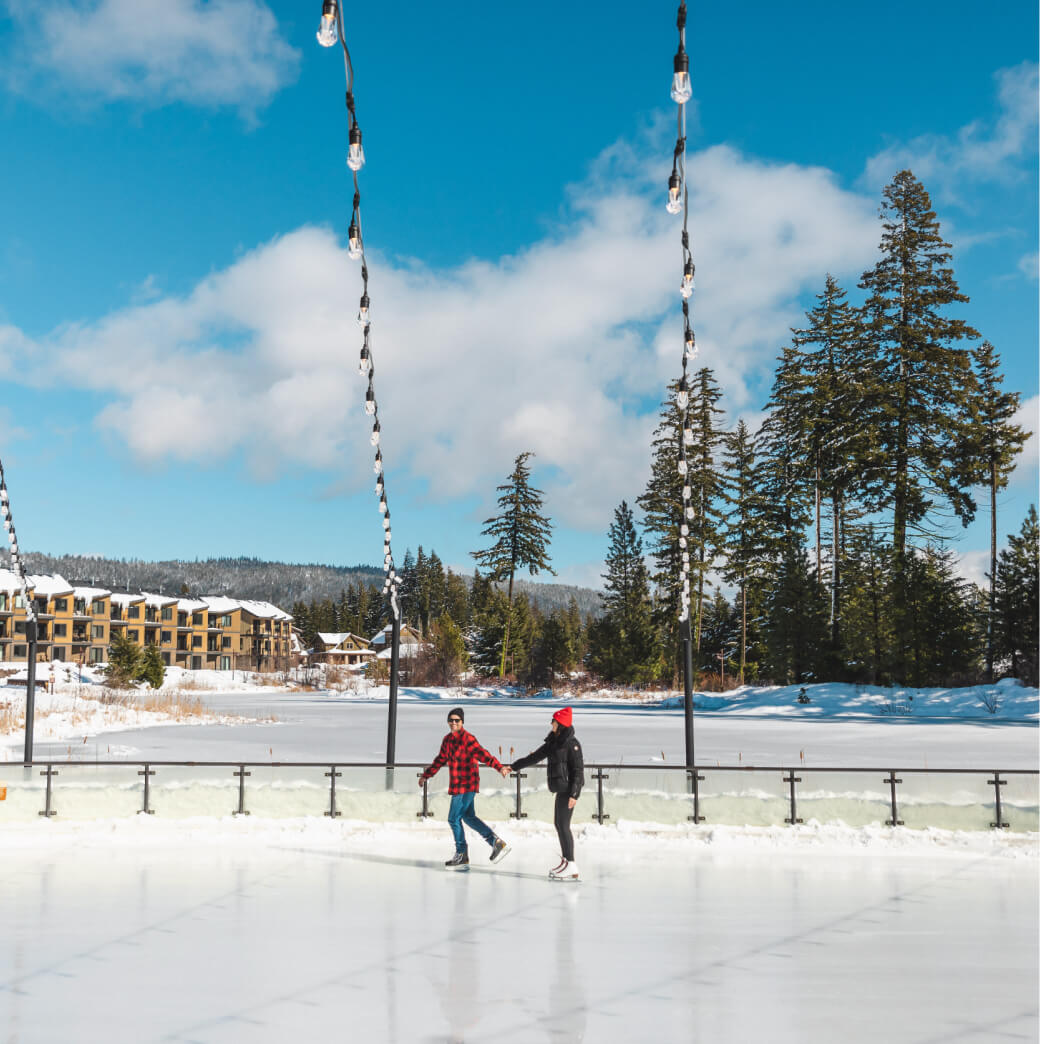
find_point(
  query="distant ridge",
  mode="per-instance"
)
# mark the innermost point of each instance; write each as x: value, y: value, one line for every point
x: 282, y: 583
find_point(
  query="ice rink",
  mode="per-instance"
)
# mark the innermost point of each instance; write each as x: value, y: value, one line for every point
x: 221, y: 931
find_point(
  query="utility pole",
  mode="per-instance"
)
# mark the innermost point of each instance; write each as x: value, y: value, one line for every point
x: 391, y: 722
x: 31, y: 635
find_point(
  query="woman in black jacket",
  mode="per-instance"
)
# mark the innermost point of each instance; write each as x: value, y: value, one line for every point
x: 566, y: 771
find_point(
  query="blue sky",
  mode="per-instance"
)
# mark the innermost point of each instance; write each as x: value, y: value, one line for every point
x: 177, y: 345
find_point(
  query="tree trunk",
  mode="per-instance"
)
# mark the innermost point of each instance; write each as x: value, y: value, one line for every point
x: 992, y: 567
x: 836, y: 573
x: 743, y: 628
x: 509, y: 621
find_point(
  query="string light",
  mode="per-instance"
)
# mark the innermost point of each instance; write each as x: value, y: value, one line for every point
x: 12, y: 546
x: 329, y: 32
x: 679, y: 201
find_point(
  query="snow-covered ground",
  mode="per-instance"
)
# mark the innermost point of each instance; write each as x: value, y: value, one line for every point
x: 221, y: 930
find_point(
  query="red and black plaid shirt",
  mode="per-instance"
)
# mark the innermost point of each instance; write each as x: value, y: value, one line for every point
x: 460, y: 751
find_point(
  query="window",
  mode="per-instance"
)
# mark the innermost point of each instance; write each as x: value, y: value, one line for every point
x: 167, y: 613
x: 20, y: 652
x: 58, y: 653
x: 166, y: 659
x: 19, y: 627
x: 97, y: 631
x: 225, y: 643
x: 196, y: 643
x: 196, y: 619
x: 3, y: 602
x: 166, y: 637
x: 134, y: 612
x: 61, y: 605
x: 225, y: 663
x: 19, y: 601
x: 134, y: 636
x: 79, y: 606
x: 196, y: 663
x: 225, y: 621
x: 98, y: 607
x: 97, y: 655
x: 59, y: 630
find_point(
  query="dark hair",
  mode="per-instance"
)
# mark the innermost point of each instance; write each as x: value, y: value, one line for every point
x: 456, y: 712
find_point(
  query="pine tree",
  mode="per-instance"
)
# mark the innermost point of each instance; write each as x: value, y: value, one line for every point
x: 795, y: 624
x: 744, y: 536
x: 993, y: 444
x: 456, y: 599
x: 625, y: 646
x: 720, y: 636
x: 1017, y: 601
x: 448, y: 650
x: 670, y: 535
x: 521, y: 537
x: 868, y: 624
x: 151, y: 669
x: 124, y: 660
x: 920, y: 382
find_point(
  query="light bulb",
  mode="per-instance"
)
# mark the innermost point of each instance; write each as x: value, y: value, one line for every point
x: 363, y: 313
x: 382, y: 507
x: 687, y: 436
x: 686, y: 287
x: 681, y: 89
x: 379, y: 486
x: 327, y: 34
x: 682, y: 466
x: 686, y: 491
x: 689, y: 513
x: 386, y: 521
x: 377, y: 464
x: 370, y: 401
x: 366, y: 362
x: 374, y: 437
x: 387, y: 560
x: 355, y: 151
x: 686, y: 558
x: 682, y: 396
x: 691, y: 343
x: 684, y: 529
x: 354, y: 236
x: 682, y: 541
x: 674, y: 204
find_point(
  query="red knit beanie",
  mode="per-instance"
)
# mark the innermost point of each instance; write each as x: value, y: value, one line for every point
x: 563, y: 716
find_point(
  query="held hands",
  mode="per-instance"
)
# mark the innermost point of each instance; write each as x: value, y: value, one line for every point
x: 505, y: 770
x: 571, y: 802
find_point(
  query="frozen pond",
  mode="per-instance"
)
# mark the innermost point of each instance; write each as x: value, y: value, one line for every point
x: 197, y: 935
x: 327, y: 727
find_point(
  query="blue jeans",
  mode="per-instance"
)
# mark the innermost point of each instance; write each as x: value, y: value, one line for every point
x: 461, y: 811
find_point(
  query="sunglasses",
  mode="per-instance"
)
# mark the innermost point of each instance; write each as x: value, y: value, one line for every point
x: 454, y: 721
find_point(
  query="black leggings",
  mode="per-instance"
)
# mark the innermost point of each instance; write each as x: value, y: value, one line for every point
x: 562, y: 820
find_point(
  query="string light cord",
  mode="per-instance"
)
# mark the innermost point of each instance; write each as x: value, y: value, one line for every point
x: 12, y: 546
x: 330, y: 32
x: 679, y: 201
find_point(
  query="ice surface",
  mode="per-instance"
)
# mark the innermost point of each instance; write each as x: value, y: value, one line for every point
x: 237, y: 931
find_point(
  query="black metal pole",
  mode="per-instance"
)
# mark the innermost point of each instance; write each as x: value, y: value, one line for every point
x: 31, y: 635
x: 688, y: 690
x: 391, y: 719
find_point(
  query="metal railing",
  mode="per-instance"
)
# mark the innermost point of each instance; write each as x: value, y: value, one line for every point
x: 720, y: 794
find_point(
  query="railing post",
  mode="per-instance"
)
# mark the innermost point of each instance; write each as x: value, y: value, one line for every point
x: 792, y: 779
x: 519, y: 813
x: 599, y: 815
x: 147, y: 773
x: 47, y: 810
x: 892, y: 781
x: 425, y: 811
x: 694, y: 777
x: 333, y: 776
x: 241, y: 773
x: 996, y: 783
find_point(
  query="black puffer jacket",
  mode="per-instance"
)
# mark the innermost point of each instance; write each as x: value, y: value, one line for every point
x: 566, y: 767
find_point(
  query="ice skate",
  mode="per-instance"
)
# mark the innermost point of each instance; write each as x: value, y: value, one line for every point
x: 567, y: 872
x: 499, y: 850
x: 558, y: 867
x: 459, y: 861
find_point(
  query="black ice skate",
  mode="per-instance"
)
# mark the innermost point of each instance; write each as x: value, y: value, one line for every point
x: 459, y: 861
x: 499, y: 850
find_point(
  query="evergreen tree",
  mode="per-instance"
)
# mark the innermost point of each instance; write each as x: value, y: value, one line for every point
x: 151, y: 668
x: 448, y: 650
x: 720, y: 636
x: 1017, y: 601
x: 994, y: 443
x: 456, y: 599
x: 744, y: 536
x: 795, y: 623
x: 868, y: 626
x: 124, y: 660
x: 919, y: 382
x: 552, y: 653
x: 407, y: 594
x: 625, y: 645
x: 521, y: 537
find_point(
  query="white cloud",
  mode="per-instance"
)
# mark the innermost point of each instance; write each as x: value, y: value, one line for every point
x: 218, y: 52
x: 1029, y: 266
x: 557, y: 349
x: 980, y: 151
x: 973, y: 566
x: 1027, y: 416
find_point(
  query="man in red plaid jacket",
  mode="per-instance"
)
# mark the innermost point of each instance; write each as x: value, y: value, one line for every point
x: 461, y: 751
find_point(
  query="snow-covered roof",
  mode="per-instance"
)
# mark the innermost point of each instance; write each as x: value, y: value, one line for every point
x: 156, y: 601
x: 264, y: 610
x: 339, y: 637
x: 88, y: 594
x: 220, y: 604
x: 9, y: 582
x: 125, y: 598
x: 190, y: 605
x: 49, y: 586
x: 409, y: 636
